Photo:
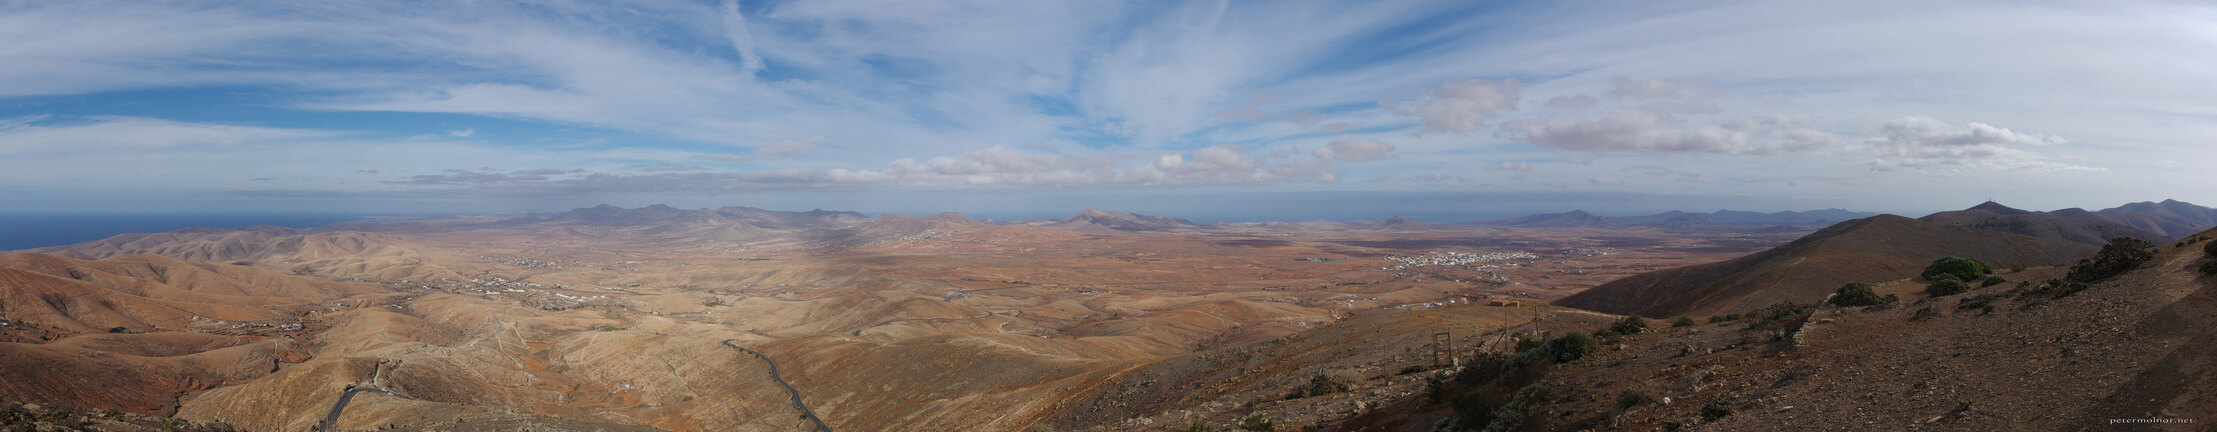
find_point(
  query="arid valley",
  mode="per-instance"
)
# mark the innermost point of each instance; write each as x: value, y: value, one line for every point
x: 1107, y: 216
x: 652, y: 318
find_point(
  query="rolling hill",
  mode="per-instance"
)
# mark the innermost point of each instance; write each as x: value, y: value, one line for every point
x: 2068, y: 224
x: 1878, y: 248
x: 2171, y: 218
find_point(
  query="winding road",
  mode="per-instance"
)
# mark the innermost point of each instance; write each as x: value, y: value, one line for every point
x: 331, y: 421
x: 781, y: 381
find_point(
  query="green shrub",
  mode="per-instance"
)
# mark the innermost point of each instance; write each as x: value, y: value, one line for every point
x: 1716, y: 409
x: 1472, y: 404
x: 1527, y: 342
x: 2121, y: 255
x: 2210, y: 248
x: 2209, y: 267
x: 1449, y: 424
x: 1256, y: 422
x: 1857, y: 294
x: 1634, y: 397
x: 1782, y: 310
x: 1713, y: 319
x: 1946, y: 287
x: 1511, y: 417
x: 1683, y: 322
x: 1322, y: 384
x: 1991, y: 281
x: 2058, y: 288
x: 1963, y: 269
x: 1197, y: 427
x: 1629, y: 326
x: 1572, y: 346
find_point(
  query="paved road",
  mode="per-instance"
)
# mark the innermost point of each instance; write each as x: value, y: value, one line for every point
x: 788, y: 387
x: 331, y: 421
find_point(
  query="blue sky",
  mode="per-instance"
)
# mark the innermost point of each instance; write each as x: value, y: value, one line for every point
x: 1220, y: 110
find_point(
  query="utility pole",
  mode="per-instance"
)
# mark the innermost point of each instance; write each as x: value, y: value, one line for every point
x: 1443, y: 350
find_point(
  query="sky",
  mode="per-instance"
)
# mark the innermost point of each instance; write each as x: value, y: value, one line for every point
x: 1268, y: 110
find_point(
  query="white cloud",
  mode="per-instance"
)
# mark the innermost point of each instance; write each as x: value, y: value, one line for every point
x: 1570, y: 102
x: 1355, y: 150
x: 1925, y: 143
x: 1439, y: 178
x: 1627, y: 88
x: 36, y: 134
x: 1460, y: 107
x: 1605, y: 181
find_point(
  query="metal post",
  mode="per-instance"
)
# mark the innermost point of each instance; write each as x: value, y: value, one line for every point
x: 1443, y: 350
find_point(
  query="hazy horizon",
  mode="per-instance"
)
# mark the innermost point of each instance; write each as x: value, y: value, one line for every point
x: 21, y: 230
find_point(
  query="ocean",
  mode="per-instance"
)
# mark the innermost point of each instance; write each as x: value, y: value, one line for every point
x: 20, y: 231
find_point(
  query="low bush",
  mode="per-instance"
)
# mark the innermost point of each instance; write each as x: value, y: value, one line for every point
x: 1858, y: 294
x: 1322, y: 384
x: 1197, y: 427
x: 1963, y: 269
x: 1415, y: 368
x: 1473, y: 405
x: 2210, y: 267
x: 1634, y: 397
x: 1449, y: 424
x: 1573, y: 346
x: 1512, y: 416
x: 1716, y: 409
x: 1683, y: 322
x: 1991, y: 281
x: 1713, y: 319
x: 1780, y: 311
x: 2057, y: 288
x: 1630, y: 325
x: 1256, y: 422
x: 2121, y: 255
x: 2210, y: 248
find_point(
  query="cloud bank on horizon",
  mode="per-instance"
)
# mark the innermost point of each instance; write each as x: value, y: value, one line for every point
x: 542, y: 105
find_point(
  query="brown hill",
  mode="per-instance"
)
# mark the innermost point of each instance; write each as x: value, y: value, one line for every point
x: 2061, y: 226
x: 2171, y: 218
x: 161, y: 297
x: 1110, y: 220
x: 1393, y: 223
x: 147, y: 292
x: 335, y: 253
x: 2139, y: 346
x: 1879, y: 248
x: 133, y: 372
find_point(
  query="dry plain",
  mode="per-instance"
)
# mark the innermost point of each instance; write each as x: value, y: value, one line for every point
x: 891, y: 322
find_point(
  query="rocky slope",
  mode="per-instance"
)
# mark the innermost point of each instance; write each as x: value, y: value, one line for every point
x: 1875, y: 249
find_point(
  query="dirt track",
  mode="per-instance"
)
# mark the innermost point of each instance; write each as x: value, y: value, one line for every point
x: 797, y: 403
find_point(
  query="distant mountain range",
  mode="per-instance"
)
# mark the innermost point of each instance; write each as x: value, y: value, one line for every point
x: 1679, y: 220
x: 2170, y: 218
x: 2067, y: 224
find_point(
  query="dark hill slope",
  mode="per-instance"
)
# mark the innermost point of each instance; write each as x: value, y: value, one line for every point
x: 1878, y: 248
x: 2059, y: 225
x: 1111, y: 221
x: 2170, y: 218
